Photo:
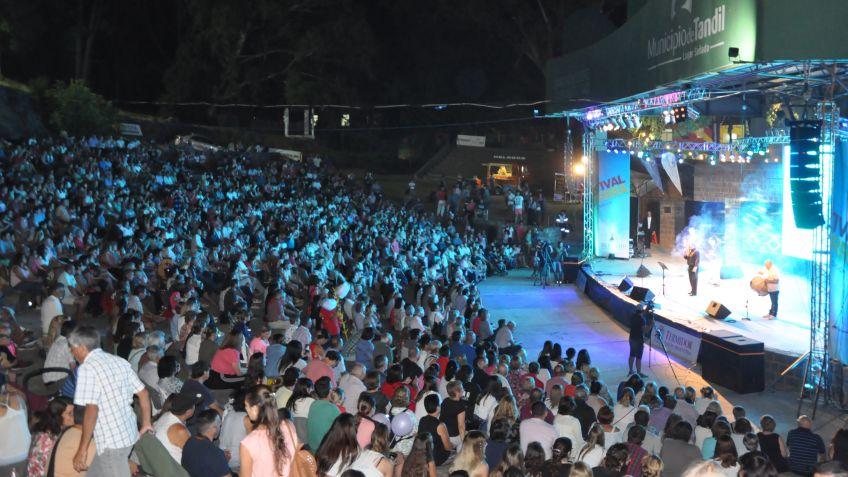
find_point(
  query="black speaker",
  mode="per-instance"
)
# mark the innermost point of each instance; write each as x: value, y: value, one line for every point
x: 717, y: 310
x: 805, y: 173
x: 641, y: 294
x: 643, y: 271
x: 732, y: 361
x: 625, y: 285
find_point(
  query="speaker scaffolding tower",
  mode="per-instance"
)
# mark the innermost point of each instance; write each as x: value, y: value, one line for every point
x: 817, y: 376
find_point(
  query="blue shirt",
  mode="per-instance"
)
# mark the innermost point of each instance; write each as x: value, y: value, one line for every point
x: 804, y: 449
x: 201, y: 458
x: 273, y: 355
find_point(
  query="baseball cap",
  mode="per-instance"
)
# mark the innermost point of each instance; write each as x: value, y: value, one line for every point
x: 183, y: 401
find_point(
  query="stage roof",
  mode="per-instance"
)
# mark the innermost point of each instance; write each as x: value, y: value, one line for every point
x: 781, y: 46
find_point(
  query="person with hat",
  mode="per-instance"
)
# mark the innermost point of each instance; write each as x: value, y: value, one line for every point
x: 171, y: 428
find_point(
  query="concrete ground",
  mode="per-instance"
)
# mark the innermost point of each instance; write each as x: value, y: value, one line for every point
x: 564, y: 315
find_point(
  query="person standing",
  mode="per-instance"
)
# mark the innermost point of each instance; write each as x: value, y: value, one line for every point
x: 771, y: 275
x: 693, y: 262
x: 640, y: 326
x: 105, y: 386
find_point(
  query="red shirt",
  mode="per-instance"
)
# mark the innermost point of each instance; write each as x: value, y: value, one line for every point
x: 330, y: 322
x: 317, y: 369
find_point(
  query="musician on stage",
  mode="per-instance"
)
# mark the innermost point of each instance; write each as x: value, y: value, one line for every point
x: 771, y: 275
x: 693, y: 261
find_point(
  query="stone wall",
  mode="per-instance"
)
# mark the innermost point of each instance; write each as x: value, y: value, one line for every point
x: 726, y: 181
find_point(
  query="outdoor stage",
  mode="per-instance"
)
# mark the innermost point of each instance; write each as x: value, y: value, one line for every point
x: 789, y: 334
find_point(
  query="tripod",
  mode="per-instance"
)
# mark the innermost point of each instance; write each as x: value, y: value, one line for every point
x: 665, y: 351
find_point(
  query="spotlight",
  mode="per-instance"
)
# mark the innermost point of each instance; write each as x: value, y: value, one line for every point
x: 585, y: 159
x: 640, y: 154
x: 680, y: 161
x: 579, y: 169
x: 681, y: 113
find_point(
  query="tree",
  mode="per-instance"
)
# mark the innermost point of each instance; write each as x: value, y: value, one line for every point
x: 79, y: 111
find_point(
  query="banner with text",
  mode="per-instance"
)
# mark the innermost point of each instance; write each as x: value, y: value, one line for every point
x: 839, y: 254
x: 678, y: 342
x: 470, y: 141
x: 613, y: 234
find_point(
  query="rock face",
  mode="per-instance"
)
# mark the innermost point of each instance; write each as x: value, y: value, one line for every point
x: 19, y: 117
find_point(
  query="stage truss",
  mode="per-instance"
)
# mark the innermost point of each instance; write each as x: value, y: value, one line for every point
x: 817, y: 374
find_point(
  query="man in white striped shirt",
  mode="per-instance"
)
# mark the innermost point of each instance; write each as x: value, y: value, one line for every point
x: 105, y: 386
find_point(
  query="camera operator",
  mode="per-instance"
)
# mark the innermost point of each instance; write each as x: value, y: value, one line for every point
x: 641, y: 324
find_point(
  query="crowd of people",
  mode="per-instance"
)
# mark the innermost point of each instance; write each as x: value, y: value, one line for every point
x: 212, y: 315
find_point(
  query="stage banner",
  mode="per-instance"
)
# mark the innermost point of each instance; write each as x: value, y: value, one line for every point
x: 839, y: 255
x: 679, y: 343
x: 669, y: 163
x: 653, y: 169
x: 613, y: 233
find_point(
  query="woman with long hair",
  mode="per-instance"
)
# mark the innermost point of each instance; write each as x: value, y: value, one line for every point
x: 379, y: 450
x: 255, y: 374
x: 49, y: 423
x: 534, y: 460
x: 293, y: 356
x: 268, y: 450
x: 580, y: 469
x: 471, y: 457
x: 567, y: 424
x: 560, y: 461
x: 419, y: 462
x: 513, y: 457
x: 364, y: 424
x: 226, y: 367
x: 340, y: 452
x: 593, y: 452
x: 726, y: 456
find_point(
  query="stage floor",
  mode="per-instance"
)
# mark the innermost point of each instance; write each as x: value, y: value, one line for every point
x: 789, y: 334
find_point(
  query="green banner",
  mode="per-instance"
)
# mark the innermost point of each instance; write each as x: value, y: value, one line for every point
x: 665, y: 41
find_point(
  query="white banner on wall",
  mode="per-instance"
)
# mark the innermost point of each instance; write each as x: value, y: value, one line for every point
x: 470, y: 141
x: 130, y: 129
x: 678, y: 343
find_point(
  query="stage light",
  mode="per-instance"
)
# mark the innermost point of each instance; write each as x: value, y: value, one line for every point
x: 585, y: 159
x: 750, y: 153
x: 762, y: 153
x: 536, y: 112
x: 629, y: 143
x: 608, y: 150
x: 640, y: 154
x: 579, y: 169
x: 667, y: 147
x: 681, y: 113
x: 680, y: 161
x: 615, y: 151
x: 648, y: 159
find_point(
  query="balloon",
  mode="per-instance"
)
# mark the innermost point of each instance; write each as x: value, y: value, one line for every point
x: 403, y: 423
x: 342, y: 290
x: 329, y: 304
x: 382, y: 419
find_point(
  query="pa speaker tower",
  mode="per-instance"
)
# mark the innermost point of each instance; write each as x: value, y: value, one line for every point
x: 805, y: 173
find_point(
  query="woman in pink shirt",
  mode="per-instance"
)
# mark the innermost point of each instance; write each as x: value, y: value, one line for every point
x: 269, y: 449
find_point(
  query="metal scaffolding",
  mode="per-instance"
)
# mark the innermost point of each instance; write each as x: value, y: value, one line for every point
x: 817, y: 372
x: 588, y: 198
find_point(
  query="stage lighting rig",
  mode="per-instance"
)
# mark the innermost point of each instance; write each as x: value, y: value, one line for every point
x: 681, y: 113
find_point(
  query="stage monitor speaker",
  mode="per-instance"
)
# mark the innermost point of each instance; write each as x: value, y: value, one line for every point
x: 717, y: 310
x: 642, y: 294
x: 643, y: 271
x: 625, y: 285
x: 732, y: 361
x: 730, y: 271
x: 805, y: 173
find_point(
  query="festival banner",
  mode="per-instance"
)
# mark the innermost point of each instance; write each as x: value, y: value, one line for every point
x: 613, y: 232
x: 839, y: 255
x: 679, y: 343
